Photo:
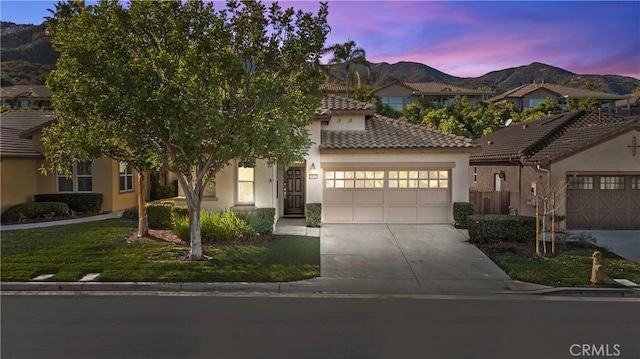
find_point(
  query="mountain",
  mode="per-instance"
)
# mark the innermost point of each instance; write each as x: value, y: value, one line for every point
x: 27, y: 58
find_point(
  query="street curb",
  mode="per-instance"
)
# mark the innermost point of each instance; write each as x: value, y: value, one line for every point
x: 271, y: 287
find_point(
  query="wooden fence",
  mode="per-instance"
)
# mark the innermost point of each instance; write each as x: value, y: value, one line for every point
x: 490, y: 202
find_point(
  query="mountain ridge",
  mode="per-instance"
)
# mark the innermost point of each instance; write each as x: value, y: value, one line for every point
x: 27, y: 57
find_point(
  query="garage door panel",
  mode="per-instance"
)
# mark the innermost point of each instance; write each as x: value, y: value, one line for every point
x: 338, y: 214
x: 402, y: 196
x: 342, y: 196
x: 434, y: 214
x: 403, y: 214
x: 369, y: 214
x: 434, y: 196
x: 369, y: 196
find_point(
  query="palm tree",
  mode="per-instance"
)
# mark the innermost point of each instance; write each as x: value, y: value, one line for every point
x: 348, y: 54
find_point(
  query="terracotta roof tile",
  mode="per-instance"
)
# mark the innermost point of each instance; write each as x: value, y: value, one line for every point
x: 331, y: 103
x: 439, y: 87
x: 560, y: 91
x: 333, y: 87
x: 387, y: 133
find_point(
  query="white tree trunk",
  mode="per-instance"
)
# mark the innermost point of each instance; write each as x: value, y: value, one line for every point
x: 195, y: 238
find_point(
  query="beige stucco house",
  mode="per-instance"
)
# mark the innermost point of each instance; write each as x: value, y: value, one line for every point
x: 398, y: 95
x: 362, y: 168
x: 530, y: 95
x: 21, y: 157
x: 591, y: 159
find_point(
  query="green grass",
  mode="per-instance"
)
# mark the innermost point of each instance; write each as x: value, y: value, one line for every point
x: 569, y: 268
x: 72, y: 251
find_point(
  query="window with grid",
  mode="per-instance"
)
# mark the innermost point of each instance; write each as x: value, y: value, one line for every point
x: 245, y: 185
x: 580, y: 182
x: 418, y: 179
x: 635, y: 182
x: 354, y: 179
x: 125, y: 176
x: 81, y: 179
x: 611, y: 182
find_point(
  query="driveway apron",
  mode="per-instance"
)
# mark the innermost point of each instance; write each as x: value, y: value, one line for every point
x: 429, y: 258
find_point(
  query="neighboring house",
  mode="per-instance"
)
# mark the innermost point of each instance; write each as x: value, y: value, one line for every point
x: 597, y: 154
x: 362, y: 168
x: 530, y: 95
x: 398, y: 95
x: 26, y: 97
x: 629, y: 106
x: 21, y: 156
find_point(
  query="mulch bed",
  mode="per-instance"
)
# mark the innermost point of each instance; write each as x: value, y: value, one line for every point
x: 167, y: 235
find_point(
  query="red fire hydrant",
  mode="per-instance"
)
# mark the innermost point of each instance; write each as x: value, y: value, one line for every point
x: 596, y: 268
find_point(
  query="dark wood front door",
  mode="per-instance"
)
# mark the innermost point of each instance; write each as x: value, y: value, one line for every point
x: 294, y: 191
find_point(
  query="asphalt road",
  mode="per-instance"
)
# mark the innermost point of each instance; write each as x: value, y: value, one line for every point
x: 274, y: 327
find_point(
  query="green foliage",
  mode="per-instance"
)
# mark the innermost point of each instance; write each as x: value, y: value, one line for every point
x: 160, y: 214
x: 4, y: 108
x: 494, y: 228
x: 242, y: 82
x: 365, y: 94
x: 166, y: 192
x: 588, y: 104
x: 217, y: 227
x: 84, y: 203
x: 313, y: 214
x: 267, y: 218
x: 31, y: 210
x: 350, y: 55
x: 461, y: 210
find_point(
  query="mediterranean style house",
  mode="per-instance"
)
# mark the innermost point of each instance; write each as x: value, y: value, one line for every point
x: 590, y: 159
x: 398, y: 95
x: 530, y: 95
x: 26, y: 97
x: 362, y: 168
x: 21, y: 156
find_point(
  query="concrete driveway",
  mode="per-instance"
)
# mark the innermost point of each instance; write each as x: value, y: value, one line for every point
x: 432, y: 259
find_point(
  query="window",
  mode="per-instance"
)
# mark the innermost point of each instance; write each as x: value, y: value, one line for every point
x: 245, y: 185
x: 580, y: 182
x: 81, y: 179
x: 533, y: 102
x: 396, y: 103
x: 418, y: 179
x: 635, y: 182
x: 611, y: 182
x: 475, y: 174
x: 125, y: 174
x: 354, y: 179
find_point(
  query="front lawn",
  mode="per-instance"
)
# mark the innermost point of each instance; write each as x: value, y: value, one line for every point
x: 71, y: 251
x: 571, y: 267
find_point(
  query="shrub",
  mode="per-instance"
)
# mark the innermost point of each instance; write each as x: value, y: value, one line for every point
x: 87, y: 203
x: 313, y: 212
x: 166, y: 192
x: 494, y: 228
x: 22, y: 211
x: 160, y: 214
x: 461, y: 210
x: 216, y: 227
x: 268, y: 216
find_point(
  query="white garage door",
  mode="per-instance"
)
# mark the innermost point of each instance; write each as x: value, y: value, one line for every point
x: 387, y: 195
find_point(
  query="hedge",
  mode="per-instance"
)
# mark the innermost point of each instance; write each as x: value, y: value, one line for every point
x: 313, y: 212
x: 166, y: 192
x: 22, y: 211
x: 495, y: 228
x: 160, y: 214
x: 85, y: 203
x: 461, y: 210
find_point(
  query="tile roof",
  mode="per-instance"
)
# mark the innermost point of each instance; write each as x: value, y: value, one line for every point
x: 335, y: 103
x: 558, y: 90
x: 634, y: 100
x: 551, y: 138
x: 13, y: 127
x: 432, y: 88
x: 333, y: 87
x: 387, y: 133
x: 37, y: 91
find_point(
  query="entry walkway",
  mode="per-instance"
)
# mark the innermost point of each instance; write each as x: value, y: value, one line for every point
x: 295, y: 227
x: 100, y: 217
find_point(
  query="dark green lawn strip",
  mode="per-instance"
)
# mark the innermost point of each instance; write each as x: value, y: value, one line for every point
x: 75, y: 250
x: 567, y: 269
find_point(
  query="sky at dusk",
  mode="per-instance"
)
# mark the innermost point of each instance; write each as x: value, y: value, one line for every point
x: 468, y: 39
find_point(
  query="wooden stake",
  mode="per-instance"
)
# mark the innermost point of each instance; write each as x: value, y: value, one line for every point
x: 537, y: 226
x: 553, y: 223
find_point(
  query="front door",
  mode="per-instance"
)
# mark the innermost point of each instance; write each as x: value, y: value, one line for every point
x: 294, y: 191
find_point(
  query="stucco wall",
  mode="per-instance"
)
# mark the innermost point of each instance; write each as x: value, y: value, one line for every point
x: 394, y: 90
x: 18, y: 181
x: 345, y: 123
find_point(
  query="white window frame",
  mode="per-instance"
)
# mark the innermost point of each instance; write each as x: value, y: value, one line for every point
x: 128, y: 173
x: 253, y: 185
x: 74, y: 178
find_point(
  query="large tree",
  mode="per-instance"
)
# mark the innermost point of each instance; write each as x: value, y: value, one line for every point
x: 186, y: 87
x: 350, y: 56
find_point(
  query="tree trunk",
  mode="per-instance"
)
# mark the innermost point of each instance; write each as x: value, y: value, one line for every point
x: 143, y: 223
x: 194, y: 229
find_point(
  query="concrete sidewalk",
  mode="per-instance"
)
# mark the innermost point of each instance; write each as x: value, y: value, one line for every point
x: 100, y: 217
